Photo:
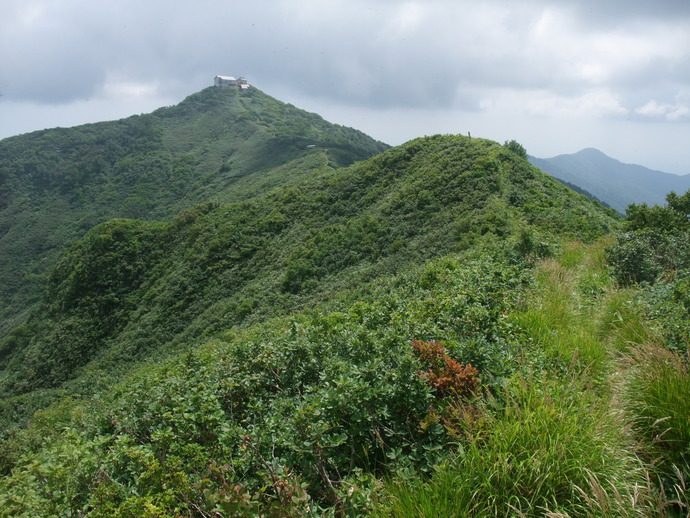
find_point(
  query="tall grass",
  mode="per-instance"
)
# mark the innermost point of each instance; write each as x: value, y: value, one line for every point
x: 602, y: 421
x: 657, y: 398
x: 562, y: 319
x: 578, y: 316
x: 622, y: 321
x: 553, y: 448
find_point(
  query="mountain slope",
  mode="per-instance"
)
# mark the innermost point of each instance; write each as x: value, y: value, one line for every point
x: 218, y: 144
x: 611, y: 181
x: 132, y: 290
x: 182, y: 387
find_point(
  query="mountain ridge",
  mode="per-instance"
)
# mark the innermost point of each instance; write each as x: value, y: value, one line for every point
x: 131, y: 289
x: 612, y: 181
x: 217, y: 144
x: 319, y: 339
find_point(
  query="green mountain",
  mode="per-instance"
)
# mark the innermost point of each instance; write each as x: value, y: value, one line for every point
x: 434, y: 330
x: 220, y: 144
x: 132, y: 290
x: 613, y: 182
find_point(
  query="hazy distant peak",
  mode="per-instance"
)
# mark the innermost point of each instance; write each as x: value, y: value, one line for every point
x: 612, y: 181
x: 592, y: 152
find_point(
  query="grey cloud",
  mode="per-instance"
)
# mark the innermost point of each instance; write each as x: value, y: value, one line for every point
x: 375, y: 53
x: 597, y: 12
x: 47, y: 60
x: 440, y: 65
x: 341, y: 53
x: 348, y: 52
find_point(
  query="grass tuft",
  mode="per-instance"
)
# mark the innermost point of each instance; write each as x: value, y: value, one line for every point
x: 553, y: 447
x: 656, y: 395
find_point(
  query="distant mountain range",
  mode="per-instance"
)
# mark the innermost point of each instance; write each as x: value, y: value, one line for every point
x: 613, y: 182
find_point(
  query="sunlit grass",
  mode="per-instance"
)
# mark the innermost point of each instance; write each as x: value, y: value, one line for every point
x: 622, y: 321
x: 657, y: 398
x: 562, y: 319
x: 553, y: 448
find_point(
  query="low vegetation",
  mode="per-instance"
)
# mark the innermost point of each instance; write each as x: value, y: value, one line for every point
x: 343, y: 413
x: 438, y: 330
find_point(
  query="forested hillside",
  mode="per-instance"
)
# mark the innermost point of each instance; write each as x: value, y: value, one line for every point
x: 130, y: 289
x: 218, y: 144
x: 440, y: 329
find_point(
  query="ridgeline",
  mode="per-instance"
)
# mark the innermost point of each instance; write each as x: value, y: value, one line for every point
x: 219, y: 144
x: 243, y: 310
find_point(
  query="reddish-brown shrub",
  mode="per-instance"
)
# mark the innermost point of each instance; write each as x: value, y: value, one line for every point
x: 448, y: 376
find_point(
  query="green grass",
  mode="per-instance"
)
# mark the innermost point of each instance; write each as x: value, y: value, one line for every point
x: 657, y: 398
x: 562, y: 319
x: 324, y: 406
x: 554, y: 447
x: 577, y: 316
x: 623, y: 322
x: 563, y: 439
x: 434, y: 241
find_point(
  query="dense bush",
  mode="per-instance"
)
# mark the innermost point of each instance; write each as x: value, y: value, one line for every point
x: 446, y: 375
x: 130, y: 290
x: 657, y: 240
x: 656, y: 251
x: 251, y: 403
x: 216, y: 145
x: 294, y: 416
x: 644, y: 255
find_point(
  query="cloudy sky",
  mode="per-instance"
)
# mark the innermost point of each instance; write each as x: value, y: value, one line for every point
x: 555, y: 75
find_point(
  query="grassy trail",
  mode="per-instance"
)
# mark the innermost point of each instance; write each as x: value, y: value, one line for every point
x: 565, y: 439
x: 601, y: 332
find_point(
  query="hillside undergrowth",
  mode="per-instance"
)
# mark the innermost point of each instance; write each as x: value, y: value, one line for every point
x: 561, y: 438
x: 218, y: 144
x: 299, y: 415
x: 346, y: 413
x: 132, y: 291
x: 415, y: 334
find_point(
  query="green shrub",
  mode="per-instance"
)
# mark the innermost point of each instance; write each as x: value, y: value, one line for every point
x: 298, y: 413
x: 668, y: 309
x: 516, y: 148
x: 657, y: 241
x: 634, y: 257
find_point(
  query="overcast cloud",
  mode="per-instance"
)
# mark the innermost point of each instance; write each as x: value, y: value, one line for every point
x: 555, y: 75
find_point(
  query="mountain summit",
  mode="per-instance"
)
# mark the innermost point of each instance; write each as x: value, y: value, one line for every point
x: 611, y: 181
x: 222, y: 144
